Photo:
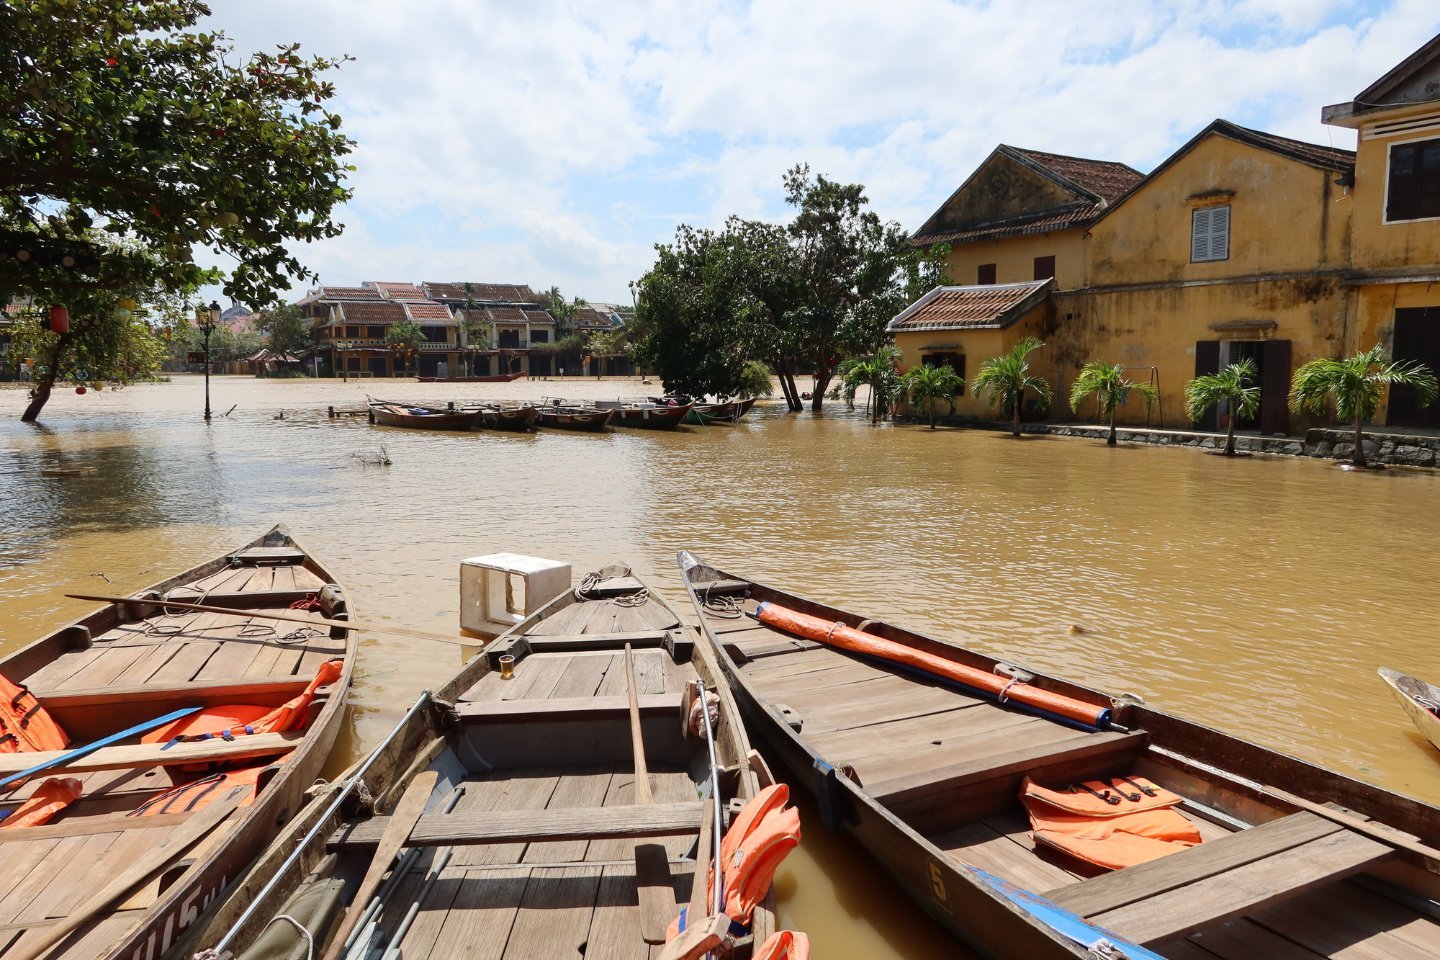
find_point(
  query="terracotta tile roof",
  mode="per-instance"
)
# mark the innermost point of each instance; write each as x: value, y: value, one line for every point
x: 539, y: 316
x: 376, y: 311
x: 1041, y: 221
x: 481, y: 292
x: 428, y: 312
x: 588, y: 318
x: 992, y: 306
x: 347, y: 293
x: 506, y: 314
x: 1106, y: 179
x: 397, y: 291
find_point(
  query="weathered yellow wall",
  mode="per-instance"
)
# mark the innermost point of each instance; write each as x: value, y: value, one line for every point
x: 1283, y: 217
x: 1377, y: 244
x: 1014, y: 258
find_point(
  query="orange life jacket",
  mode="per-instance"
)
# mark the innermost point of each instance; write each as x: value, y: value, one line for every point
x: 52, y: 796
x: 24, y: 724
x: 199, y: 794
x: 234, y: 720
x: 1110, y: 835
x: 784, y: 945
x: 757, y: 841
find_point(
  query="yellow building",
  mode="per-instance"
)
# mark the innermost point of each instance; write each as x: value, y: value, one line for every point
x: 1241, y: 244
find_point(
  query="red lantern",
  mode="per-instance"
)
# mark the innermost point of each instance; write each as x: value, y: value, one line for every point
x: 80, y: 390
x: 59, y: 319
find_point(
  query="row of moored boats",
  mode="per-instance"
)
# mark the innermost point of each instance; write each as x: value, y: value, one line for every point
x: 585, y: 786
x: 652, y: 413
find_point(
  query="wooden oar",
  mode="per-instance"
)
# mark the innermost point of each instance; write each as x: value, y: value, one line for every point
x: 652, y: 863
x: 78, y: 753
x: 402, y: 821
x: 135, y: 873
x: 289, y: 618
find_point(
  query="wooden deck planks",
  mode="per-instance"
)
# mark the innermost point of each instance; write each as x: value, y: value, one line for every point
x: 982, y: 846
x: 615, y: 922
x: 555, y: 913
x: 577, y: 788
x: 1344, y: 920
x: 481, y: 918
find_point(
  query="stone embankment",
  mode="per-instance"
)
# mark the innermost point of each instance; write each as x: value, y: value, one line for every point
x: 1413, y: 450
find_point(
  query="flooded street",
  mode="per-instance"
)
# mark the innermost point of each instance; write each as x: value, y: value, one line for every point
x: 1255, y: 595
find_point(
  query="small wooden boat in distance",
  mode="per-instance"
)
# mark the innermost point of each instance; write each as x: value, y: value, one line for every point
x: 413, y: 417
x: 918, y: 749
x: 514, y: 419
x: 125, y: 664
x: 1421, y: 701
x: 528, y: 843
x: 729, y: 411
x: 645, y: 414
x: 559, y: 415
x: 492, y: 378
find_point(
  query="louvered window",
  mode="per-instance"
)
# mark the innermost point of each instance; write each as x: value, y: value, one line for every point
x: 1210, y: 234
x: 1414, y: 187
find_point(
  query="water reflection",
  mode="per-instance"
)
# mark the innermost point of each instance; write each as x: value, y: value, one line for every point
x: 1257, y: 595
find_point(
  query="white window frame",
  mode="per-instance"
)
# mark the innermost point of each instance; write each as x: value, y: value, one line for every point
x: 1210, y: 233
x: 1385, y: 201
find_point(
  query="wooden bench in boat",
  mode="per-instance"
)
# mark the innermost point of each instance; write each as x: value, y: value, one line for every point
x: 156, y: 754
x: 677, y: 642
x: 532, y: 826
x: 1235, y: 874
x: 243, y: 690
x: 567, y: 708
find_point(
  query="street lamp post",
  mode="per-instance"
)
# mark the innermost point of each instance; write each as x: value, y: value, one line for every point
x: 209, y: 320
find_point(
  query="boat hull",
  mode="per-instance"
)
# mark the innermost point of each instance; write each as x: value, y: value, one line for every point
x: 392, y: 416
x: 593, y: 421
x: 496, y: 378
x: 85, y: 713
x: 1406, y: 690
x: 512, y: 419
x: 705, y: 414
x: 650, y: 416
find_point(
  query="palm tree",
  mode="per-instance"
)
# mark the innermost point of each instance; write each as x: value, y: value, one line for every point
x: 876, y: 372
x: 1004, y: 380
x: 1232, y: 386
x: 1357, y: 383
x: 925, y: 383
x: 1110, y: 385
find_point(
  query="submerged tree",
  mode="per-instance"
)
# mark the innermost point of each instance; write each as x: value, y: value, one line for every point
x: 132, y: 141
x: 1356, y: 383
x: 286, y: 330
x: 1003, y: 380
x: 1111, y: 387
x: 925, y: 383
x: 1231, y: 386
x: 405, y: 338
x: 879, y: 374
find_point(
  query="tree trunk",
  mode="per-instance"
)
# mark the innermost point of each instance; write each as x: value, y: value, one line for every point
x: 822, y: 383
x: 1015, y: 415
x: 1358, y: 458
x: 40, y: 395
x: 930, y: 409
x: 1110, y: 440
x: 1230, y: 436
x: 785, y: 371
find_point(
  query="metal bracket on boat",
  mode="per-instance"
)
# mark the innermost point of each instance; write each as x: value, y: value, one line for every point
x: 1018, y: 674
x: 792, y: 719
x: 449, y: 717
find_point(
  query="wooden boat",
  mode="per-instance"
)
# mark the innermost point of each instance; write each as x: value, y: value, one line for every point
x: 527, y: 845
x: 731, y: 411
x: 493, y: 378
x: 516, y: 419
x: 570, y: 416
x: 646, y: 415
x: 422, y: 418
x: 127, y: 663
x: 924, y: 773
x: 1421, y: 701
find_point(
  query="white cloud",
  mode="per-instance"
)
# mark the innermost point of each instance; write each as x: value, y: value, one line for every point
x: 554, y: 142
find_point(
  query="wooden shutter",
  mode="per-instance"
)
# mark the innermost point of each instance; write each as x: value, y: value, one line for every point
x: 1210, y: 234
x: 1275, y: 387
x: 1044, y: 268
x: 1207, y: 360
x: 985, y: 274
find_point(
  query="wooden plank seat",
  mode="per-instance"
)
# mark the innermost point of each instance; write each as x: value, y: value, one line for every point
x: 567, y: 708
x: 241, y: 690
x: 532, y: 826
x: 678, y: 643
x: 156, y: 754
x: 261, y: 600
x: 1180, y: 893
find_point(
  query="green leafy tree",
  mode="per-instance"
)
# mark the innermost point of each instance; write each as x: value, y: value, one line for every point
x: 878, y: 373
x: 925, y: 383
x: 1232, y: 386
x: 756, y: 380
x: 1107, y: 381
x: 132, y: 141
x: 1003, y: 381
x: 285, y: 330
x: 111, y: 339
x: 405, y: 338
x: 1356, y: 384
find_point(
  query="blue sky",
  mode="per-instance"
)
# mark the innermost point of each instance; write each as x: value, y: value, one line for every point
x: 552, y: 142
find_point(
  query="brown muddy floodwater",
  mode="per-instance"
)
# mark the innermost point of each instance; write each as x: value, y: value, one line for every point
x: 1255, y: 595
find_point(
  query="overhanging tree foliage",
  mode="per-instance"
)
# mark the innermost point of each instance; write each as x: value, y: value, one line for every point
x: 128, y: 142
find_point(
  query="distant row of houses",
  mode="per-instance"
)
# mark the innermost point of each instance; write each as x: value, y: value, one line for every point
x: 471, y: 329
x: 1240, y: 244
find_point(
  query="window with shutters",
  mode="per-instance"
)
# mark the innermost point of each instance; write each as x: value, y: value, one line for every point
x: 1210, y: 234
x: 985, y: 274
x: 1413, y: 190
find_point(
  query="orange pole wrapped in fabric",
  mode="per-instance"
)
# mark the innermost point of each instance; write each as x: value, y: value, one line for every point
x: 1005, y: 689
x: 236, y: 720
x: 52, y: 796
